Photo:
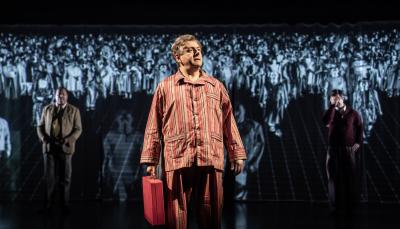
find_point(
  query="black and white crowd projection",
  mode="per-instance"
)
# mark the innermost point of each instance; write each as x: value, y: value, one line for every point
x: 278, y: 77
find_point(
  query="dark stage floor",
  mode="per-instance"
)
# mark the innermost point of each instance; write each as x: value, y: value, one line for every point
x: 241, y: 215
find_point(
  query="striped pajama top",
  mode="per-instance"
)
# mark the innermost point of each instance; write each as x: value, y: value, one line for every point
x: 190, y: 122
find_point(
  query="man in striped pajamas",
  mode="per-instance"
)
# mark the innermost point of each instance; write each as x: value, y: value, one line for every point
x: 190, y: 120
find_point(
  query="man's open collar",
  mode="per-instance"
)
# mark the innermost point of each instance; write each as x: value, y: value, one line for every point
x: 203, y: 77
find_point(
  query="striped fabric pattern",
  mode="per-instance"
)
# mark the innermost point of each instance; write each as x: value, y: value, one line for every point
x: 192, y: 121
x: 204, y: 186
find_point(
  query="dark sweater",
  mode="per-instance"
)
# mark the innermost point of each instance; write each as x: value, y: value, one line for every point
x: 344, y: 130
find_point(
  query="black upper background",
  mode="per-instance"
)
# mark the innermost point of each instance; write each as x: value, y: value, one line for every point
x: 146, y: 12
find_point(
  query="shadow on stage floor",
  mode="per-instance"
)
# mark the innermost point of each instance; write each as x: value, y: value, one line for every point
x: 269, y: 215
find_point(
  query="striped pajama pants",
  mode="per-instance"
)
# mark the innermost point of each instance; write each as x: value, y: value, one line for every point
x: 204, y: 185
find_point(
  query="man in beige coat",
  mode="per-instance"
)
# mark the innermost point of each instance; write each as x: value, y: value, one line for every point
x: 59, y: 128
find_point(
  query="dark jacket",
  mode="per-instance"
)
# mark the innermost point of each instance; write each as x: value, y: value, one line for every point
x: 344, y: 130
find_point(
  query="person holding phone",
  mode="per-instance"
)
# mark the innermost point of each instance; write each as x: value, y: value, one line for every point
x: 345, y: 136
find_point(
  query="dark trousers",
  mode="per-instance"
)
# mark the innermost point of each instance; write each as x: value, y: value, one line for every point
x: 6, y: 177
x: 342, y: 166
x: 57, y: 174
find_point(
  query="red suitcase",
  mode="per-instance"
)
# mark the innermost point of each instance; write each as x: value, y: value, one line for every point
x: 153, y: 200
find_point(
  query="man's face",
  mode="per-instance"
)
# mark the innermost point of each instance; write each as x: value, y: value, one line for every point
x: 394, y: 58
x: 163, y: 67
x: 279, y: 58
x: 190, y: 55
x: 335, y: 72
x: 364, y: 85
x: 61, y: 97
x: 148, y: 65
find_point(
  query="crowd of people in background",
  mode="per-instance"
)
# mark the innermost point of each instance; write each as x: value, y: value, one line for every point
x: 274, y: 67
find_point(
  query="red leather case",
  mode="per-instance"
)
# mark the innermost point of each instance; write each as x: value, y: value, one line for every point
x: 153, y: 200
